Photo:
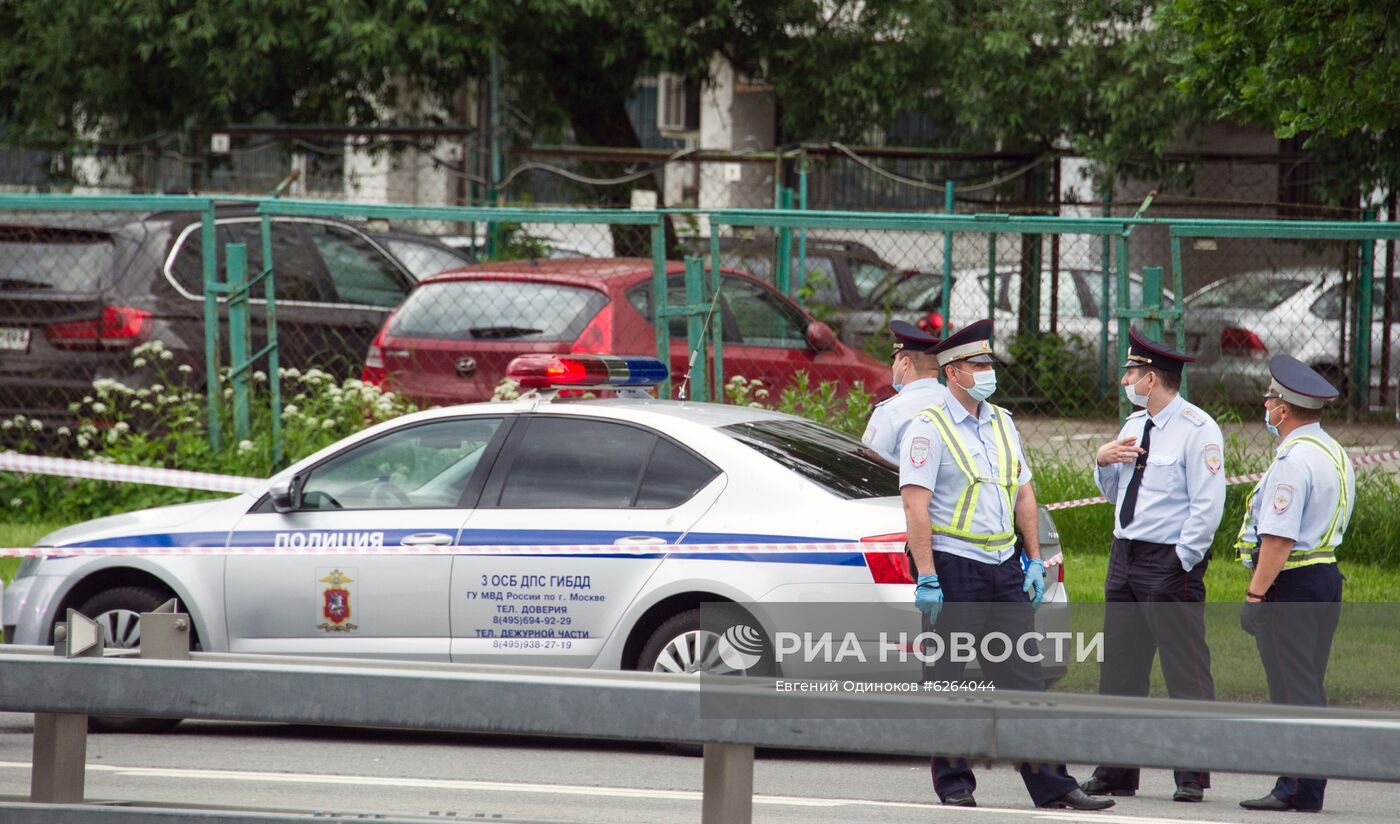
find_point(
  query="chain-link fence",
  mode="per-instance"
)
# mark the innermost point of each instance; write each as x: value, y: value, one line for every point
x: 1295, y: 288
x: 802, y: 303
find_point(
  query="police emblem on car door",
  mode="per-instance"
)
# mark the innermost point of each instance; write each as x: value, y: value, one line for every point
x: 334, y: 590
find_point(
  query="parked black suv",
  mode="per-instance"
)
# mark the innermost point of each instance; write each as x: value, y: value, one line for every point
x: 77, y: 294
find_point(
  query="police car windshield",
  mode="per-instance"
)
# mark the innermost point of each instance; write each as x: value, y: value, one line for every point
x: 833, y: 461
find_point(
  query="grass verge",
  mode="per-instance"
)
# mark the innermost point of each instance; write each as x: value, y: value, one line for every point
x: 1360, y: 673
x: 20, y: 535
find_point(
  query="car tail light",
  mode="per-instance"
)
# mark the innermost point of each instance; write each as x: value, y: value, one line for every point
x: 375, y: 373
x: 119, y: 327
x: 597, y: 335
x: 888, y: 567
x: 1235, y: 341
x: 932, y: 323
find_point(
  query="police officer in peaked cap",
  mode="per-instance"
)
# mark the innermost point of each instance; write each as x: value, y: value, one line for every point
x: 1293, y: 524
x: 966, y: 489
x: 1165, y: 473
x: 914, y: 373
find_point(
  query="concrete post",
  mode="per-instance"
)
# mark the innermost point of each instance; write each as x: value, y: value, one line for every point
x: 60, y: 739
x: 728, y: 788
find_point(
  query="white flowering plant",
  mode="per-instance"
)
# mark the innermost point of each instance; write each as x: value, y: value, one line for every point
x: 165, y: 422
x: 846, y: 411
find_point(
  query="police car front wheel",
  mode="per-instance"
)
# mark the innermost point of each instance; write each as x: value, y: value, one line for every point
x: 118, y: 612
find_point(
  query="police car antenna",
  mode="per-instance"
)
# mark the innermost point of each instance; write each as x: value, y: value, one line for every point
x: 690, y: 366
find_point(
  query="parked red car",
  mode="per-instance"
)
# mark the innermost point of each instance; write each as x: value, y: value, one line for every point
x: 451, y: 339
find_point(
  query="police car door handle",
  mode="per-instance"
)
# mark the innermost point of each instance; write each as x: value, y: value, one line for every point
x: 640, y: 540
x: 427, y: 539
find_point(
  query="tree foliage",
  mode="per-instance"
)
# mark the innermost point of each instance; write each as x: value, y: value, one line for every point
x: 1092, y: 76
x: 1327, y: 70
x: 125, y: 69
x: 1016, y: 73
x: 1326, y: 67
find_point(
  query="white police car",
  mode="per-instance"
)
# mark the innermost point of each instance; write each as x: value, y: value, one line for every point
x: 597, y: 481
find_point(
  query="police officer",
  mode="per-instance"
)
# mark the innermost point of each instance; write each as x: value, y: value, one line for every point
x: 966, y: 488
x: 1165, y: 474
x: 914, y: 373
x: 1293, y: 523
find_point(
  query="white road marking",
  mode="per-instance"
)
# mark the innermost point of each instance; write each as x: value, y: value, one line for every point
x: 601, y: 792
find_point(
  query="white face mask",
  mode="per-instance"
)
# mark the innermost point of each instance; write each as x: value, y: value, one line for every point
x: 983, y: 384
x: 1134, y: 397
x: 1272, y: 427
x: 897, y: 379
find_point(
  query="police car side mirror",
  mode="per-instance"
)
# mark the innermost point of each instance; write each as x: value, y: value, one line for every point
x: 284, y: 495
x: 820, y: 337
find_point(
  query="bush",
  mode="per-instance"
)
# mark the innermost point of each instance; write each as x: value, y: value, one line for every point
x: 824, y: 404
x: 1055, y: 373
x: 167, y: 425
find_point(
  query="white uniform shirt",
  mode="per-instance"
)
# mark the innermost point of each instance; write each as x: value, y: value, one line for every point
x: 1299, y: 493
x: 1182, y: 492
x: 923, y: 461
x: 892, y: 416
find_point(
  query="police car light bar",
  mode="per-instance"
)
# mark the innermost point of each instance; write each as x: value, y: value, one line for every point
x: 578, y: 371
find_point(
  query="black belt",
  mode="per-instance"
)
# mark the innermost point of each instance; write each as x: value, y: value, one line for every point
x: 1134, y: 544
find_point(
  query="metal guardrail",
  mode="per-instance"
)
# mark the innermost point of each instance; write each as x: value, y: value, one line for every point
x: 76, y: 679
x: 26, y: 813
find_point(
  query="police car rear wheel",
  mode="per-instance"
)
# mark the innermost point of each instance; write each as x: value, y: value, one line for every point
x: 118, y: 613
x: 692, y: 643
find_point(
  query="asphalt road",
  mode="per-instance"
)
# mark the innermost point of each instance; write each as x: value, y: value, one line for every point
x: 499, y: 778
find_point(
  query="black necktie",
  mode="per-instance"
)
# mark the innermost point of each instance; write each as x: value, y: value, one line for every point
x: 1125, y: 515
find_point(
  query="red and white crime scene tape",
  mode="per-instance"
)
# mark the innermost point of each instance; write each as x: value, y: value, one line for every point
x: 69, y: 468
x: 729, y: 551
x: 36, y: 464
x: 1253, y: 477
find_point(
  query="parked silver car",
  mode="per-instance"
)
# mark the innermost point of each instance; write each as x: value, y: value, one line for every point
x: 1080, y: 295
x: 1237, y: 323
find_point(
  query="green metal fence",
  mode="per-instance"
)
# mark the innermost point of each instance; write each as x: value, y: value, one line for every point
x: 734, y: 300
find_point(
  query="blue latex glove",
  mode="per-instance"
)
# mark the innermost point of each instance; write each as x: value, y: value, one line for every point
x: 1035, y: 580
x: 928, y: 597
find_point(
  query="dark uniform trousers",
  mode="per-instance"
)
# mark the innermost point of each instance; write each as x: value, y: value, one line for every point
x: 981, y: 598
x: 1151, y: 605
x: 1294, y: 637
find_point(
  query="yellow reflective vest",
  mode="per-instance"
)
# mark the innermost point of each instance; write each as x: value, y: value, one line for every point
x: 1003, y: 481
x: 1324, y: 552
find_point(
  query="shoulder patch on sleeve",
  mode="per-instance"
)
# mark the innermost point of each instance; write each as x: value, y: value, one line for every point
x: 1212, y: 457
x: 918, y: 452
x: 1283, y: 498
x: 1193, y: 415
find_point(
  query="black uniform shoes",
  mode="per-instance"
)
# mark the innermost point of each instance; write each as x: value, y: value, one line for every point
x: 1097, y: 786
x: 1076, y: 799
x: 1274, y: 804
